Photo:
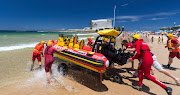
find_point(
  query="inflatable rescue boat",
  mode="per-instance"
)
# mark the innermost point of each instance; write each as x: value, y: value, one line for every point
x: 81, y: 55
x: 94, y: 58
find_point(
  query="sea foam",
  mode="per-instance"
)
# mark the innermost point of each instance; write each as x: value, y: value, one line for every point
x: 87, y: 34
x: 19, y: 46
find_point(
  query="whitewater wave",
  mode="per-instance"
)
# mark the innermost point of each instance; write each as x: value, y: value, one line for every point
x: 87, y: 34
x: 19, y: 46
x: 41, y: 31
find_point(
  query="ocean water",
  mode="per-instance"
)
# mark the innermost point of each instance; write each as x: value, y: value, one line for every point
x: 12, y: 40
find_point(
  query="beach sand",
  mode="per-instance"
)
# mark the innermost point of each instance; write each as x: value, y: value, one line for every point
x: 16, y: 79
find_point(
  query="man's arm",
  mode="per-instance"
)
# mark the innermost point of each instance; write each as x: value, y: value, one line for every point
x: 178, y: 44
x: 137, y: 54
x: 130, y: 49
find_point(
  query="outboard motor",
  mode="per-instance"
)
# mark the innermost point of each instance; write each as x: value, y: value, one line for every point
x: 116, y: 56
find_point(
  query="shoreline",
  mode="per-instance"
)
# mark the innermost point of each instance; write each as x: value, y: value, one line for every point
x: 75, y: 31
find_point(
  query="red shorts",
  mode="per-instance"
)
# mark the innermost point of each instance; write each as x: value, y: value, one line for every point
x: 173, y: 54
x: 48, y: 62
x: 35, y: 55
x: 48, y: 66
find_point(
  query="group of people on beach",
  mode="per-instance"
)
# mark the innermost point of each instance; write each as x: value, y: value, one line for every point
x: 160, y: 39
x: 139, y: 50
x: 148, y: 59
x: 48, y: 54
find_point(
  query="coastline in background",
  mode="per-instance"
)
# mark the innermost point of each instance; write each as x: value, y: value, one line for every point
x: 12, y: 40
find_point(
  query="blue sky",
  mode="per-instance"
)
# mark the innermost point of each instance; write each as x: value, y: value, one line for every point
x: 74, y: 14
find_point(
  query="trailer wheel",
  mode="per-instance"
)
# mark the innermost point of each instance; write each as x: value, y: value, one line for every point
x: 117, y: 78
x: 63, y: 69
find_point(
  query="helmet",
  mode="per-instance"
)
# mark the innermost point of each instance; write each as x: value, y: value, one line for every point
x: 105, y: 39
x: 170, y: 35
x: 136, y: 37
x: 50, y: 43
x: 43, y: 42
x: 89, y: 37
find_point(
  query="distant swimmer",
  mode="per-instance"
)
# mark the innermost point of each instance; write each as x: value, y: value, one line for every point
x: 38, y: 51
x: 143, y: 51
x: 158, y: 67
x: 173, y: 47
x: 90, y: 42
x: 129, y: 47
x: 49, y: 59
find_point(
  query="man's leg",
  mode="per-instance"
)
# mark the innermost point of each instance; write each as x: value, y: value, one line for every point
x: 48, y: 73
x: 139, y: 87
x: 170, y: 62
x: 132, y: 65
x: 171, y: 56
x: 171, y: 76
x: 140, y: 76
x: 33, y: 60
x: 32, y: 65
x: 49, y: 77
x: 39, y: 60
x: 147, y: 69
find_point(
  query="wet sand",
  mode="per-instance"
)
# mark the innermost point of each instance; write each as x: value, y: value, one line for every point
x: 15, y: 77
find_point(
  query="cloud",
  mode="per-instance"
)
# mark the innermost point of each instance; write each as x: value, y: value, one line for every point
x: 62, y: 29
x: 157, y: 18
x: 124, y: 5
x: 134, y: 18
x: 166, y: 13
x: 122, y: 21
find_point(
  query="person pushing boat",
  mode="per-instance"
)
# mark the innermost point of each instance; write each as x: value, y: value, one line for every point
x: 143, y: 51
x: 129, y: 47
x: 38, y: 51
x: 49, y: 59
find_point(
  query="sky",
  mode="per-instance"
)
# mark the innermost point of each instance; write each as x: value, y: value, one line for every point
x: 57, y: 15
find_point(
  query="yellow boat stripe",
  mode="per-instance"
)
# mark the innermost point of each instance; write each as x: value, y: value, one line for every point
x: 77, y: 63
x: 85, y: 66
x: 82, y: 58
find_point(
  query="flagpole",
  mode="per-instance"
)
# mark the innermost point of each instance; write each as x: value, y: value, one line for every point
x: 114, y: 16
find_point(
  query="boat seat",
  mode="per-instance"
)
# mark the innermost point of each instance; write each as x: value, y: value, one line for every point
x: 76, y: 46
x: 70, y: 45
x: 61, y: 43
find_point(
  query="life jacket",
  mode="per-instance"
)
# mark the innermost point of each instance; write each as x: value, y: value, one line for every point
x: 90, y: 43
x: 47, y: 51
x: 142, y: 50
x: 37, y: 48
x: 172, y: 45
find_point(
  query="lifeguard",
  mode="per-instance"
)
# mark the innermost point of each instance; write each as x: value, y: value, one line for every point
x: 90, y: 43
x: 49, y: 59
x: 130, y: 48
x: 143, y: 52
x: 172, y: 44
x: 38, y: 51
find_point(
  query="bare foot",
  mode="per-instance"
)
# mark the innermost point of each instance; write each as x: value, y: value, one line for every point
x: 178, y: 81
